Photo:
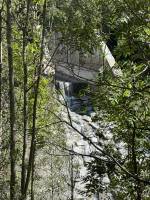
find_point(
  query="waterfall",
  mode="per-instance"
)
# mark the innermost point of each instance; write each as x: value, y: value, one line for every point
x: 80, y: 110
x: 82, y: 121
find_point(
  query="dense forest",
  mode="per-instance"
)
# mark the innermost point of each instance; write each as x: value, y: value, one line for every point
x: 37, y: 159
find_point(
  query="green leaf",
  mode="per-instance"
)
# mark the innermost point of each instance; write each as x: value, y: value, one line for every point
x: 126, y: 93
x: 129, y: 85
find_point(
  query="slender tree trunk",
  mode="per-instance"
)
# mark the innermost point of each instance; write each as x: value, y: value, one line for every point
x: 32, y: 179
x: 36, y: 90
x: 25, y: 115
x: 12, y: 102
x: 52, y: 188
x: 72, y: 176
x: 0, y: 74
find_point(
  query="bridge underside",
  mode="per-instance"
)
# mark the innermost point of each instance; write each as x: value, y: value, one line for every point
x: 75, y: 66
x: 75, y: 74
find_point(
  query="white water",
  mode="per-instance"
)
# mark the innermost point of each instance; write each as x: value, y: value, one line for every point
x: 82, y: 121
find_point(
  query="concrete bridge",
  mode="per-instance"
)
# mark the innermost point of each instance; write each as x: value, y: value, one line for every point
x: 74, y: 66
x: 77, y: 67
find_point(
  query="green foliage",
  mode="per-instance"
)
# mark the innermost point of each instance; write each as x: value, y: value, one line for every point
x: 123, y: 103
x: 27, y: 34
x: 78, y: 22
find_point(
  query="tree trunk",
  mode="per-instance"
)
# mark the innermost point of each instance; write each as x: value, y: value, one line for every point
x: 72, y: 176
x: 25, y: 115
x: 0, y: 74
x: 12, y: 103
x: 32, y: 179
x: 36, y: 90
x: 52, y: 187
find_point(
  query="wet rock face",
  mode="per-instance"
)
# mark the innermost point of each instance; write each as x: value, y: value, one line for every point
x: 81, y: 113
x: 76, y: 97
x: 80, y: 109
x: 80, y: 105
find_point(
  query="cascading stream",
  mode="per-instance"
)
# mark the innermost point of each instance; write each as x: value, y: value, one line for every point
x: 81, y: 112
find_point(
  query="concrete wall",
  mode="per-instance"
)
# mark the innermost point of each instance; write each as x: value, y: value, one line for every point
x: 72, y: 65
